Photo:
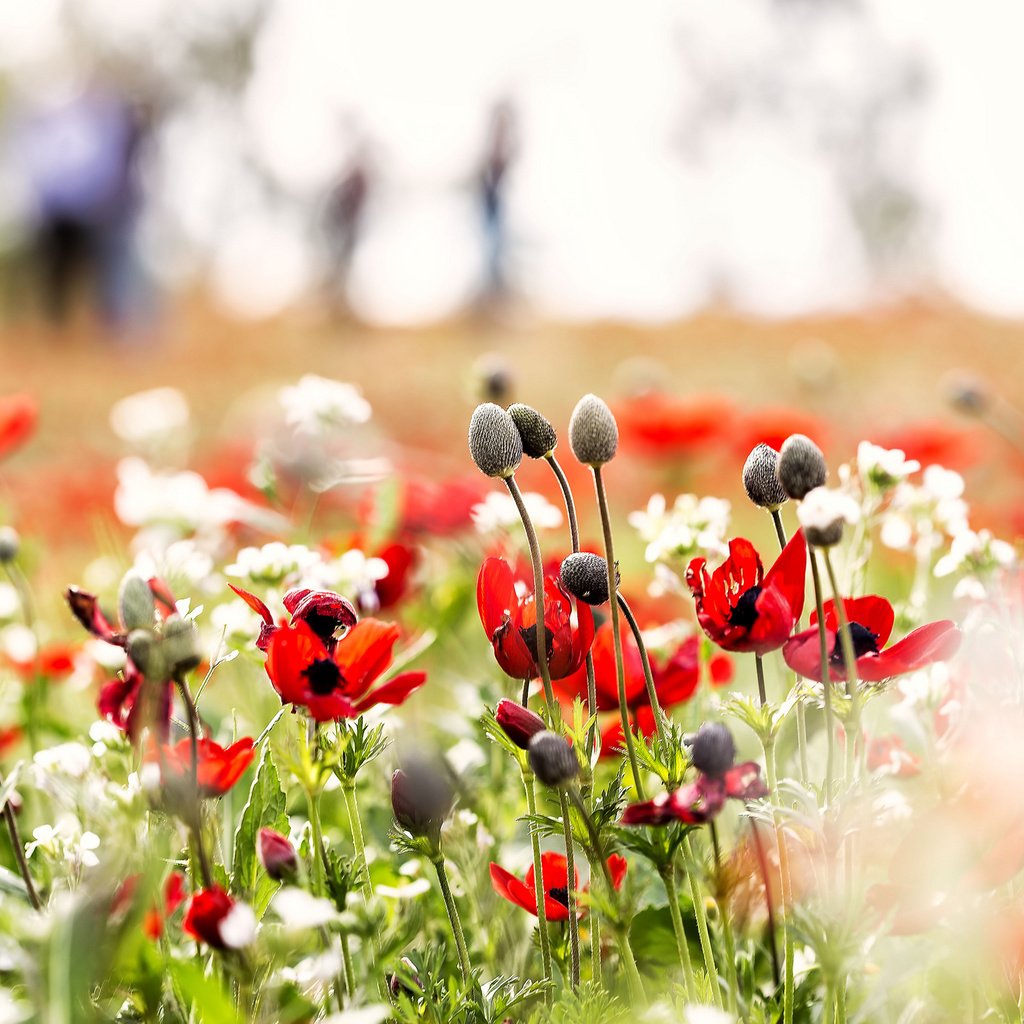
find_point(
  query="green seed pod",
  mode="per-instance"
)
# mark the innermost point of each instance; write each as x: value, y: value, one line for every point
x: 135, y: 603
x: 494, y: 441
x: 593, y: 433
x: 537, y: 434
x: 801, y: 466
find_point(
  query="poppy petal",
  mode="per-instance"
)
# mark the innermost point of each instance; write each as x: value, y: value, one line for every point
x: 254, y: 603
x: 365, y: 652
x: 617, y: 869
x: 936, y: 641
x: 496, y: 595
x: 788, y: 576
x: 394, y: 691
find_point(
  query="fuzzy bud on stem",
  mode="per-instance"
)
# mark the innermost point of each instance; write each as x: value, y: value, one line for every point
x: 537, y: 434
x: 760, y: 478
x: 181, y: 645
x: 712, y: 750
x: 277, y: 855
x: 135, y: 603
x: 801, y: 466
x: 552, y: 759
x: 421, y: 799
x: 585, y: 576
x: 593, y: 432
x: 494, y: 441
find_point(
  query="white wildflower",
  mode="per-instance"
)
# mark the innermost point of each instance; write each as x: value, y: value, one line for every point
x: 825, y: 508
x: 316, y: 405
x: 18, y: 642
x: 693, y: 526
x: 10, y: 605
x: 150, y: 416
x: 354, y: 574
x: 238, y: 926
x: 71, y: 759
x: 498, y: 511
x: 883, y: 468
x: 274, y: 562
x: 975, y: 552
x: 408, y: 891
x: 298, y: 910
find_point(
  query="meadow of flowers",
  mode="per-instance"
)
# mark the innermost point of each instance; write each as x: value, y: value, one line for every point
x: 319, y: 736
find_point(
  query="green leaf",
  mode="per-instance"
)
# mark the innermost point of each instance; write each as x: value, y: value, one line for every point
x: 265, y: 808
x: 204, y: 995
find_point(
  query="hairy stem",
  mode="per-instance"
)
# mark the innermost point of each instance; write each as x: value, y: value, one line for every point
x: 348, y: 788
x: 19, y: 853
x: 538, y: 876
x: 826, y: 684
x: 453, y: 917
x: 682, y: 946
x: 699, y: 911
x: 652, y: 694
x: 570, y: 868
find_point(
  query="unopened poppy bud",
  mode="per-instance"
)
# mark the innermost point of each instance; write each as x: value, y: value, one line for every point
x: 277, y: 855
x: 537, y: 434
x: 135, y: 603
x: 145, y: 650
x: 585, y: 576
x: 519, y: 724
x: 397, y: 986
x: 181, y: 645
x: 494, y: 441
x: 593, y: 433
x: 801, y: 466
x: 421, y: 798
x: 760, y: 478
x: 10, y: 544
x: 712, y: 750
x: 552, y: 759
x: 823, y: 514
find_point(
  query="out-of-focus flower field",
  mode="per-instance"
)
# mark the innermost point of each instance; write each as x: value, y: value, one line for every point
x: 278, y: 742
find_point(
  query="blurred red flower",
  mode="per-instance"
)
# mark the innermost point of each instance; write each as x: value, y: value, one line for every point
x: 18, y: 416
x: 218, y: 768
x: 743, y: 609
x: 663, y: 423
x: 336, y: 684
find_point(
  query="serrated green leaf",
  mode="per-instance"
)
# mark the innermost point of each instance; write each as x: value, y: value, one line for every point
x: 265, y: 808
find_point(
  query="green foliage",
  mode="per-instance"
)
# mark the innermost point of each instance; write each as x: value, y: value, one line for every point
x: 203, y: 994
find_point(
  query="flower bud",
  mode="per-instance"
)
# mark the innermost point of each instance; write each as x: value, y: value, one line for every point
x: 277, y: 855
x: 712, y: 750
x: 760, y: 478
x: 181, y: 645
x: 593, y: 433
x: 10, y: 544
x: 421, y: 798
x: 538, y: 436
x: 801, y: 466
x: 552, y: 759
x: 135, y: 603
x: 585, y: 576
x: 520, y: 724
x: 145, y: 649
x: 494, y: 377
x: 494, y: 441
x: 823, y: 513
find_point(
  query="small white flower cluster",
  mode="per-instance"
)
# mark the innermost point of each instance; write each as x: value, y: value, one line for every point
x: 352, y: 574
x: 883, y: 468
x: 975, y: 555
x: 922, y: 514
x: 825, y: 507
x: 318, y: 405
x: 273, y: 563
x: 692, y: 526
x: 65, y: 842
x: 498, y: 511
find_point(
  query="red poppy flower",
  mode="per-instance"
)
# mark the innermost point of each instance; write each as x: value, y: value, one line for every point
x: 215, y: 918
x: 153, y: 921
x: 401, y: 559
x: 86, y: 608
x: 18, y: 415
x: 53, y: 662
x: 699, y: 801
x: 218, y: 768
x: 740, y: 607
x: 9, y: 737
x: 510, y: 622
x: 119, y: 703
x: 664, y: 423
x: 871, y: 620
x: 337, y: 685
x: 325, y: 612
x: 675, y: 680
x: 556, y: 884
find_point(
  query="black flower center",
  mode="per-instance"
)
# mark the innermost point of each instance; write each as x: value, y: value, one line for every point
x: 744, y: 611
x: 864, y: 642
x: 560, y: 895
x: 324, y: 676
x: 529, y: 635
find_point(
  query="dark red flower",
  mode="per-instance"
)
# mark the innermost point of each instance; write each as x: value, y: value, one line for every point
x: 740, y: 607
x: 510, y: 622
x: 119, y: 702
x: 401, y: 559
x: 218, y: 768
x: 277, y: 855
x: 215, y: 918
x: 519, y: 724
x: 18, y: 415
x: 86, y: 608
x: 153, y: 920
x: 871, y: 620
x: 337, y: 685
x: 555, y: 873
x: 325, y: 612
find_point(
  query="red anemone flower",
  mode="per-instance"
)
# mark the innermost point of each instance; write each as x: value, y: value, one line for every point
x: 153, y: 920
x: 325, y: 612
x: 18, y: 415
x: 119, y: 703
x: 510, y: 622
x: 218, y: 768
x: 86, y: 608
x: 871, y: 620
x: 701, y: 800
x: 675, y: 680
x: 740, y: 607
x: 337, y: 685
x: 215, y: 918
x: 556, y: 884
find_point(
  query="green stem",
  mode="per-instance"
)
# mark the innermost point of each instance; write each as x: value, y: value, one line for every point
x: 19, y: 853
x: 570, y: 868
x: 195, y: 811
x: 352, y: 806
x: 826, y: 683
x: 453, y: 917
x: 350, y: 974
x: 828, y: 1011
x: 841, y: 1004
x: 699, y: 911
x: 682, y: 946
x: 780, y: 530
x: 788, y: 990
x: 850, y: 667
x: 620, y: 674
x: 595, y: 939
x: 652, y: 694
x: 319, y: 871
x: 762, y: 694
x: 538, y: 876
x: 723, y: 919
x: 801, y: 739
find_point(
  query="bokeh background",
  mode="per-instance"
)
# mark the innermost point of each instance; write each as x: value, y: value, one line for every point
x: 768, y: 214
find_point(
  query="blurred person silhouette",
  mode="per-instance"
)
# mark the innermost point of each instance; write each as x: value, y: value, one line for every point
x: 491, y: 184
x: 343, y: 222
x: 78, y: 152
